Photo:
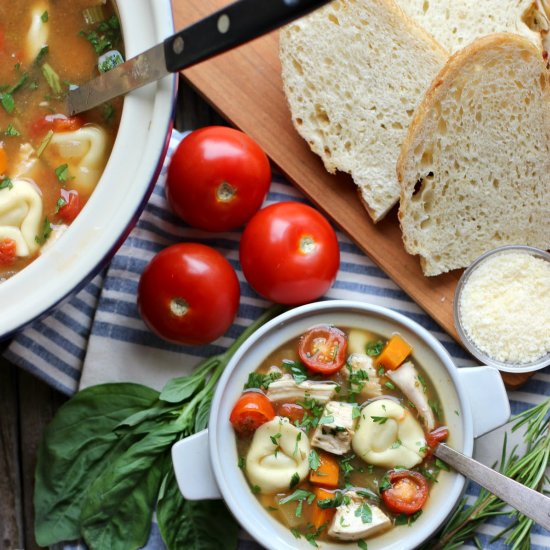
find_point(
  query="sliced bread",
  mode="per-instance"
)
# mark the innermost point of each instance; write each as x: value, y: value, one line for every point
x: 456, y: 23
x: 475, y: 166
x: 353, y: 73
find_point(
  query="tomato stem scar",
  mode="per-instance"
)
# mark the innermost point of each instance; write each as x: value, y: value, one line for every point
x: 307, y: 244
x: 179, y: 307
x: 225, y: 192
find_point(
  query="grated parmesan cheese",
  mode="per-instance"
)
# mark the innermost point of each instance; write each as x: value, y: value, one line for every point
x: 505, y: 307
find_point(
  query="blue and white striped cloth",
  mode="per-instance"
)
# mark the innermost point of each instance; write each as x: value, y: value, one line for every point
x: 97, y: 335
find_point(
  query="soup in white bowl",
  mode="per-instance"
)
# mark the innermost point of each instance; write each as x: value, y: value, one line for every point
x: 126, y: 172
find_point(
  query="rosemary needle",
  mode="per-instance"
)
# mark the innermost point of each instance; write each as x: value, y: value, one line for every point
x: 529, y: 469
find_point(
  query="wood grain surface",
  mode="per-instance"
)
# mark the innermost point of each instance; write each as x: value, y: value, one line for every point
x: 245, y: 86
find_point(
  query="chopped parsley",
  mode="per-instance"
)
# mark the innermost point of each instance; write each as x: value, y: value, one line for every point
x: 374, y: 348
x: 379, y: 419
x: 12, y: 131
x: 242, y: 463
x: 62, y: 173
x: 6, y: 183
x: 389, y: 385
x: 329, y: 419
x: 105, y: 36
x: 441, y: 465
x: 422, y: 383
x: 297, y: 370
x: 369, y: 494
x: 333, y: 502
x: 7, y: 101
x: 404, y: 519
x: 314, y: 460
x: 52, y: 78
x: 396, y: 444
x: 296, y: 445
x: 108, y: 113
x: 364, y: 512
x: 362, y: 544
x: 436, y: 408
x: 294, y: 480
x: 384, y: 484
x: 45, y: 233
x: 44, y: 50
x: 44, y: 17
x: 256, y: 489
x: 300, y: 496
x: 256, y: 379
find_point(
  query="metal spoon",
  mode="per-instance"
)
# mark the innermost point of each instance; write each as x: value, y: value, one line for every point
x: 530, y: 503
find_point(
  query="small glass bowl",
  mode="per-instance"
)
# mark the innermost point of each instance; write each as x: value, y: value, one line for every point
x: 541, y: 362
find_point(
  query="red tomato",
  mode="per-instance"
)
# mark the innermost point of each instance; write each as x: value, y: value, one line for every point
x: 408, y: 492
x: 435, y: 437
x: 251, y: 411
x: 217, y: 179
x: 292, y: 411
x: 323, y: 349
x: 8, y: 249
x: 57, y: 123
x: 188, y: 294
x: 71, y: 208
x: 289, y: 253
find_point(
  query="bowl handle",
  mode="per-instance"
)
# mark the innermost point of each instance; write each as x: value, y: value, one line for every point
x: 487, y: 396
x: 194, y: 474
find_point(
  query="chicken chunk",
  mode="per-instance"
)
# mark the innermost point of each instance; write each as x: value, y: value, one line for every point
x: 357, y: 519
x: 362, y: 377
x: 286, y: 389
x: 336, y: 428
x: 407, y: 380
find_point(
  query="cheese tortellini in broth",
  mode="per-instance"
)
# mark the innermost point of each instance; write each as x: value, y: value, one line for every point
x: 84, y: 151
x: 278, y: 452
x: 21, y: 215
x: 388, y: 435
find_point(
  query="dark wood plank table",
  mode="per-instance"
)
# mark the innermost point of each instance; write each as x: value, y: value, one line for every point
x: 27, y: 404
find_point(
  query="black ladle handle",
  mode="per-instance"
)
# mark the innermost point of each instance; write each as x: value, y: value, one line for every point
x: 231, y: 26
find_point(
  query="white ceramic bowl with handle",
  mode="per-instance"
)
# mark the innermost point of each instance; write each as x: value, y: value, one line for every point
x: 121, y: 193
x: 474, y: 401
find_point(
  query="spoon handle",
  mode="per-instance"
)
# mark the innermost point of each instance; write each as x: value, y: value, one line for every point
x: 530, y: 503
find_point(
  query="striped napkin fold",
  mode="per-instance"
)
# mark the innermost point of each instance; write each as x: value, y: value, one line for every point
x: 98, y: 336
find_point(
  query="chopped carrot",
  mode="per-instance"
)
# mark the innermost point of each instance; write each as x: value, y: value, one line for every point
x: 3, y: 161
x: 327, y: 473
x: 394, y: 353
x: 322, y: 516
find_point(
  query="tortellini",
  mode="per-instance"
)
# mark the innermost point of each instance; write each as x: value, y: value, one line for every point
x: 278, y: 456
x: 84, y: 151
x: 389, y: 436
x: 37, y: 35
x: 21, y: 215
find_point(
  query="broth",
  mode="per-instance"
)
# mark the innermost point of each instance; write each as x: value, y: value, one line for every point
x: 49, y: 164
x: 366, y: 483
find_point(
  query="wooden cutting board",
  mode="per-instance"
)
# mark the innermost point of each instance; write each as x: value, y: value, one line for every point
x: 244, y: 85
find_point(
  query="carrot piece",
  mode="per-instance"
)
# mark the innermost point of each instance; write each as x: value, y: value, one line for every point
x: 3, y: 161
x: 321, y: 516
x: 394, y: 353
x: 327, y: 473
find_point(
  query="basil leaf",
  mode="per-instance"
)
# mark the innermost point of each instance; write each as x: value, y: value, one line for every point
x: 117, y: 510
x: 179, y: 389
x: 188, y: 524
x: 77, y: 445
x: 203, y: 414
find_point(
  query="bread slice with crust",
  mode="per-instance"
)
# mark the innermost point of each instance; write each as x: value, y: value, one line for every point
x: 475, y: 166
x: 353, y: 73
x: 456, y: 23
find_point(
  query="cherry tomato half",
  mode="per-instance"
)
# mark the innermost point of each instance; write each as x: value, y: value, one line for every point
x: 323, y: 349
x: 8, y: 251
x: 218, y: 177
x: 70, y: 207
x: 289, y: 253
x: 408, y: 492
x: 251, y: 411
x: 188, y: 294
x: 435, y: 437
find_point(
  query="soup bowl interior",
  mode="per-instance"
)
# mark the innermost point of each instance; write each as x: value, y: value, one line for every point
x: 120, y: 194
x: 429, y: 354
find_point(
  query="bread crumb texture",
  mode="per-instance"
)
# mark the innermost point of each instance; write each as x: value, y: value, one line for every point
x: 353, y: 73
x: 456, y: 23
x: 475, y: 166
x: 505, y: 307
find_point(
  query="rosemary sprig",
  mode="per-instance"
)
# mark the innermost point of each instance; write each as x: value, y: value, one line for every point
x: 529, y: 469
